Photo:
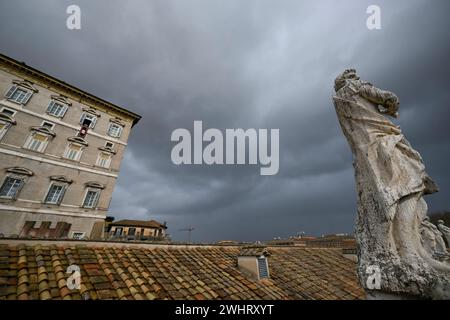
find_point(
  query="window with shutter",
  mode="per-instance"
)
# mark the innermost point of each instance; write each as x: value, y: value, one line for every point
x: 88, y: 120
x: 10, y: 188
x: 37, y: 142
x: 55, y: 194
x: 18, y: 94
x: 94, y: 121
x: 115, y: 130
x: 56, y: 109
x: 91, y: 198
x: 104, y: 160
x: 74, y: 151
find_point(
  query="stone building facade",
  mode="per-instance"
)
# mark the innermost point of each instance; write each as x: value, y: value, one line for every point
x: 138, y: 230
x: 60, y: 154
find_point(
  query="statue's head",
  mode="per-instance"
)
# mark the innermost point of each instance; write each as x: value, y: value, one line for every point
x: 440, y: 221
x: 349, y: 74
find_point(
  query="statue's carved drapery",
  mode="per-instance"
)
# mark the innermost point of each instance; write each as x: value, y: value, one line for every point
x: 445, y: 231
x: 392, y: 228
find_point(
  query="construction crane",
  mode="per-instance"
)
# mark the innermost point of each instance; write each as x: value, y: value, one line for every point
x: 189, y: 229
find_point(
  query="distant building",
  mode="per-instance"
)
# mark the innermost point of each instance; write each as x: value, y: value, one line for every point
x: 326, y: 241
x: 227, y: 242
x: 332, y: 241
x: 108, y: 221
x: 60, y: 153
x: 302, y: 241
x: 138, y: 230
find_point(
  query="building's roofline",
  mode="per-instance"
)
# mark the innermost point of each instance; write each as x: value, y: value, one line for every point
x: 138, y: 223
x: 37, y: 73
x: 143, y: 244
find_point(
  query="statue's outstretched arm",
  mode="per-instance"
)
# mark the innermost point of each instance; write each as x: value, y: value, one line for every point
x: 386, y: 99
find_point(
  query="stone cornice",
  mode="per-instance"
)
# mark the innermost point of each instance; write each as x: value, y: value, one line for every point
x: 45, y: 80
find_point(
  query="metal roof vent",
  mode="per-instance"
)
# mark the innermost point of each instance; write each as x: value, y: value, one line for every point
x: 252, y: 261
x: 263, y: 268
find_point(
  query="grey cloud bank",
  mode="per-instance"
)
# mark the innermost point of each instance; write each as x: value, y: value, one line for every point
x: 245, y: 64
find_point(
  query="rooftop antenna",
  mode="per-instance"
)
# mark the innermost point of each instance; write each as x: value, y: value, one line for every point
x: 189, y: 230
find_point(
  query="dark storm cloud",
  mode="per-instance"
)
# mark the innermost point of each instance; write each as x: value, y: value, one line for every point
x: 249, y: 64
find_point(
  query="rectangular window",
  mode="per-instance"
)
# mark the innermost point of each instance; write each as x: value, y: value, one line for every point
x: 88, y: 120
x: 78, y: 235
x: 115, y: 130
x: 18, y: 95
x: 73, y: 152
x: 131, y: 231
x: 37, y: 142
x: 118, y: 231
x: 104, y: 160
x: 11, y: 187
x: 55, y: 194
x: 90, y: 201
x: 48, y: 125
x: 56, y: 109
x: 109, y: 145
x: 8, y: 112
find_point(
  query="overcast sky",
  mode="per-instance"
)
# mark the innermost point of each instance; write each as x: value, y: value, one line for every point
x: 245, y: 64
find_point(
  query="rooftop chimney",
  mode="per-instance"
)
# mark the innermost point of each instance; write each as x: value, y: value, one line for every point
x: 252, y: 261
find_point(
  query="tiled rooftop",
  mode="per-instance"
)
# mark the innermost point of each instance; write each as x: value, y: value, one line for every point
x: 255, y: 251
x: 33, y: 271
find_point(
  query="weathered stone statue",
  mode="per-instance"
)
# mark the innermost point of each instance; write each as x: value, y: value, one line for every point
x: 391, y: 182
x: 445, y: 231
x: 432, y: 238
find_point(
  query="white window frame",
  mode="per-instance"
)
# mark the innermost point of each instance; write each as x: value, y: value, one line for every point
x: 78, y: 235
x: 23, y: 99
x: 68, y: 150
x: 9, y: 109
x: 62, y: 110
x: 96, y: 200
x: 60, y: 196
x: 42, y: 146
x: 119, y: 128
x: 111, y: 143
x: 121, y: 231
x: 18, y: 188
x: 48, y: 122
x: 93, y: 117
x: 107, y: 161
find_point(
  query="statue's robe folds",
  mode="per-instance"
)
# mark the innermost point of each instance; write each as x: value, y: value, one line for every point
x: 390, y: 184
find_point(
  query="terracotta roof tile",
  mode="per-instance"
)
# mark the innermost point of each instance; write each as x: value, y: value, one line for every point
x: 39, y: 272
